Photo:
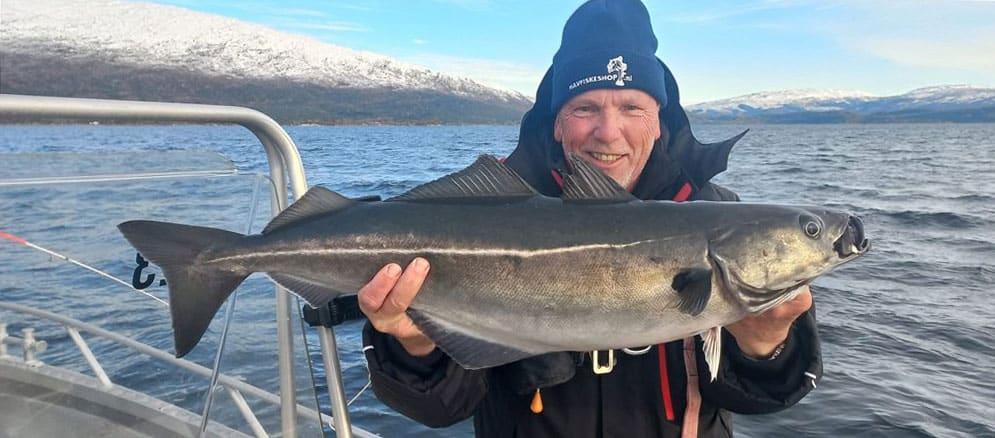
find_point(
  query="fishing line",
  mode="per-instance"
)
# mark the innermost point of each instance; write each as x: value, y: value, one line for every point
x: 310, y: 363
x: 369, y: 381
x: 215, y: 373
x: 55, y: 254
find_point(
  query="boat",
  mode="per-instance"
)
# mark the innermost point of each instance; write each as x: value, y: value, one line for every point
x: 59, y: 373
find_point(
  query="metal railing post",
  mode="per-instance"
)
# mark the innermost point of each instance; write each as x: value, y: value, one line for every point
x: 285, y: 166
x: 3, y: 340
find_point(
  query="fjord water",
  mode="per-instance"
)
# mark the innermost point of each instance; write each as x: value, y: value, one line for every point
x: 908, y: 331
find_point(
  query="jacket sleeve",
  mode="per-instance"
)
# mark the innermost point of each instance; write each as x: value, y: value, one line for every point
x: 432, y: 390
x: 748, y: 386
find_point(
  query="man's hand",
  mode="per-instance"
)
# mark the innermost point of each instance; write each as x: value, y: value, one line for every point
x: 386, y: 297
x: 758, y: 336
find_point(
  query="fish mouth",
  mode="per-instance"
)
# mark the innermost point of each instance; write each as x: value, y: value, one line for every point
x: 852, y: 242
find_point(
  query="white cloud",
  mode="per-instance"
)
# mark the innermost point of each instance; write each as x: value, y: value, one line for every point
x: 335, y: 26
x: 501, y: 74
x: 934, y: 35
x: 724, y: 11
x: 419, y: 41
x: 969, y: 52
x: 476, y: 5
x: 351, y: 6
x: 298, y: 12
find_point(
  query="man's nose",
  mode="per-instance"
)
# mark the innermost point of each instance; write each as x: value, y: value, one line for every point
x: 609, y: 126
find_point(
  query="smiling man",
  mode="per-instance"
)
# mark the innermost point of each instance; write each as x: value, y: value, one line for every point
x: 608, y: 99
x: 613, y: 129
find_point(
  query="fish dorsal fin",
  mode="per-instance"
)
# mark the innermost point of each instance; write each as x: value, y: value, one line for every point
x: 587, y: 183
x: 485, y: 180
x: 316, y: 202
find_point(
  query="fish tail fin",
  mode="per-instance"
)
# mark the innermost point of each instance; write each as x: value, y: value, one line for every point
x: 196, y: 290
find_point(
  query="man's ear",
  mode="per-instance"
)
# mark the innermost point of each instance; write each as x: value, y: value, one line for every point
x: 557, y: 130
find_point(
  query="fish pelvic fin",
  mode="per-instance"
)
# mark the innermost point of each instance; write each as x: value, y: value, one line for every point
x: 196, y: 291
x: 713, y: 350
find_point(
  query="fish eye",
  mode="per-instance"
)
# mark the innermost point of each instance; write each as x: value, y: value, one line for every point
x: 811, y: 226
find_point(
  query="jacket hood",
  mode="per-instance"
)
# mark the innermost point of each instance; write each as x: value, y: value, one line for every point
x: 676, y: 155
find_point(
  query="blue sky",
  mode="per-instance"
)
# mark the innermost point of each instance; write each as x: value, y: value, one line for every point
x: 716, y: 49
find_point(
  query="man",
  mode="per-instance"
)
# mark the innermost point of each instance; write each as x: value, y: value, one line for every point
x: 608, y: 99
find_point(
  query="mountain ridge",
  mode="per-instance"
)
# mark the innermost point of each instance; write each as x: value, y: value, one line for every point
x: 89, y: 49
x: 939, y: 103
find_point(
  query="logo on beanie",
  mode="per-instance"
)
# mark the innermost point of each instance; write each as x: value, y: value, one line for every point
x: 616, y: 72
x: 617, y: 66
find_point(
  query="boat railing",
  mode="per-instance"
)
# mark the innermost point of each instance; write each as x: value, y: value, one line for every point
x: 286, y: 170
x: 236, y: 389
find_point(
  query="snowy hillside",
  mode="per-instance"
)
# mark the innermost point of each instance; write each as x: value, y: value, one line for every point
x: 152, y: 34
x: 955, y: 102
x: 134, y: 50
x: 805, y: 100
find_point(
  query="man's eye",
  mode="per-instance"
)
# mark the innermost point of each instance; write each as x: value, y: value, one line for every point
x: 584, y: 110
x: 633, y: 109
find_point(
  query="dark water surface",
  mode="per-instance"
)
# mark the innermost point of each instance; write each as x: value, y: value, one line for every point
x: 908, y: 331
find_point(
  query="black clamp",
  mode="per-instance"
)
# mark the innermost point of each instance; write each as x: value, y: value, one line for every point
x: 337, y: 311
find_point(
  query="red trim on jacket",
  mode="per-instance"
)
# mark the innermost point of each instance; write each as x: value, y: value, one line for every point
x: 557, y: 178
x: 684, y: 193
x: 668, y: 402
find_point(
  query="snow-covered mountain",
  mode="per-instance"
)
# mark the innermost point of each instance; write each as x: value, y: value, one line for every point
x: 785, y: 101
x: 939, y: 103
x: 166, y: 43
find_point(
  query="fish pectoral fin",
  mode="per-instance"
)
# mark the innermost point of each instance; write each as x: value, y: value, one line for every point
x: 712, y: 349
x: 694, y: 289
x: 316, y: 295
x: 468, y: 351
x: 586, y: 183
x: 316, y: 202
x: 486, y: 180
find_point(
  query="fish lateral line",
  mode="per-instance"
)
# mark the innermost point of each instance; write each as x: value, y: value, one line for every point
x: 525, y: 253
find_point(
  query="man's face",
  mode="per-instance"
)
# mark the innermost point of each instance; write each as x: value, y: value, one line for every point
x: 612, y: 129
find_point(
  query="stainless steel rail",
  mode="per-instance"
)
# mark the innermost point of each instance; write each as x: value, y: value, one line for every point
x: 234, y: 386
x: 285, y: 167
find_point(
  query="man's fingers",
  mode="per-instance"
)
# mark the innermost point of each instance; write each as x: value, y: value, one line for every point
x: 799, y: 304
x: 374, y: 293
x: 791, y: 309
x: 406, y: 288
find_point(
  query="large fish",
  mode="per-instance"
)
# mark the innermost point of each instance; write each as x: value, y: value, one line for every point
x: 514, y: 273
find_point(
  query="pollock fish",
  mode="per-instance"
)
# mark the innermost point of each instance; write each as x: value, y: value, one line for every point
x: 515, y: 273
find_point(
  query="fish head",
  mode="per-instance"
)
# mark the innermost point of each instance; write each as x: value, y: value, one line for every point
x: 769, y: 254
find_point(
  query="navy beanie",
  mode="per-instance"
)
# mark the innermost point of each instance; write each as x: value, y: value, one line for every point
x: 607, y: 44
